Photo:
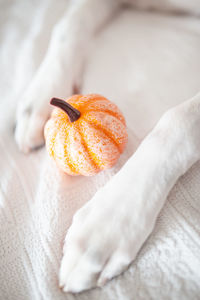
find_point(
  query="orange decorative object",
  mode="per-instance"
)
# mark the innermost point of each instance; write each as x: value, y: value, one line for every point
x: 85, y: 134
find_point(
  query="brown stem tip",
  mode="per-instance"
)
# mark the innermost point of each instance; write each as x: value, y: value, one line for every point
x: 72, y: 112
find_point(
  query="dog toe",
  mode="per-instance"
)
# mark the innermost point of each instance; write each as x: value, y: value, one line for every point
x: 29, y: 129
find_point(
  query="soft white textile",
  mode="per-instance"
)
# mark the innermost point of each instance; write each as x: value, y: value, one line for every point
x: 37, y: 201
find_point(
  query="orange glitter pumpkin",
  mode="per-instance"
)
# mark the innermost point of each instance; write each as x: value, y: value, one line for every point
x: 85, y: 134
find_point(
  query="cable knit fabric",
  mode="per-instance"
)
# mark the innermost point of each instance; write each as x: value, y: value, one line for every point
x: 37, y: 201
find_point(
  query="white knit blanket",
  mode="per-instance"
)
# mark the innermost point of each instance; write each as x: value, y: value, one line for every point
x: 37, y: 201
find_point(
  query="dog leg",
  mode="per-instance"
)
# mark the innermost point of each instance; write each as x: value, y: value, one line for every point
x: 60, y: 71
x: 107, y: 233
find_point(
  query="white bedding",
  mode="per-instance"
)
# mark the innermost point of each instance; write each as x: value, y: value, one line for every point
x: 37, y: 201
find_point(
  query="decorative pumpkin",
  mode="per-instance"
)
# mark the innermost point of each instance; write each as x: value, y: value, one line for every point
x: 85, y: 134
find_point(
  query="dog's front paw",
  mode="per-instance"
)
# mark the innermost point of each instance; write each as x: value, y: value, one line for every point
x: 30, y: 121
x: 104, y: 237
x: 34, y: 108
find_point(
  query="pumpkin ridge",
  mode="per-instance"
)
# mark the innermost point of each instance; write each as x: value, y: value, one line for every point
x: 86, y: 147
x: 53, y: 145
x: 109, y: 112
x: 62, y: 116
x: 52, y: 151
x: 67, y: 155
x: 99, y: 98
x: 106, y: 132
x: 74, y: 100
x: 93, y: 155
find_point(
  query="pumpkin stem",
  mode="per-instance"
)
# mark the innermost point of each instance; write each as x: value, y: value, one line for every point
x: 72, y: 112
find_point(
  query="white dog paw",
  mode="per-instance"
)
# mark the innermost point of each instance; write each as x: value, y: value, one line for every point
x: 97, y: 249
x: 30, y: 123
x: 108, y: 232
x: 34, y: 110
x: 103, y: 239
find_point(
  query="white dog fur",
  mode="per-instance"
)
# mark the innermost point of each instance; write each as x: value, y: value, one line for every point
x: 107, y: 233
